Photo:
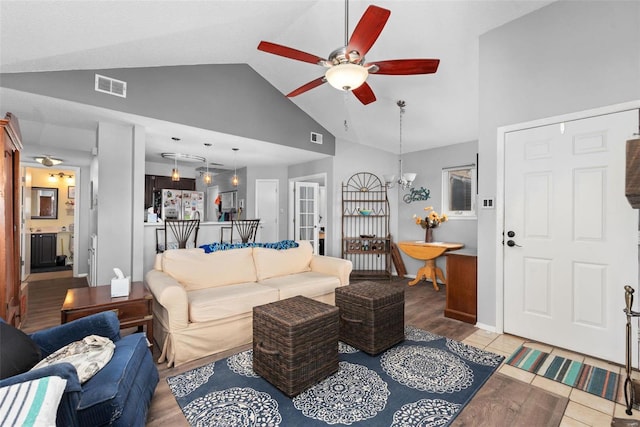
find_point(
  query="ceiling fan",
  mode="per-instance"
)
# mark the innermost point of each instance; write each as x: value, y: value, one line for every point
x: 346, y: 66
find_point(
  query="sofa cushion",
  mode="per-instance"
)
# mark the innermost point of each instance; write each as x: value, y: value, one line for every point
x: 196, y: 270
x: 309, y: 284
x: 275, y: 263
x: 106, y: 394
x: 226, y: 301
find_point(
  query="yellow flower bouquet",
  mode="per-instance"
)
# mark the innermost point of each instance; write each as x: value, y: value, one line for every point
x: 430, y: 221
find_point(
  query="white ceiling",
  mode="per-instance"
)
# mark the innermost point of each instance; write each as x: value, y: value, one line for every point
x: 441, y: 108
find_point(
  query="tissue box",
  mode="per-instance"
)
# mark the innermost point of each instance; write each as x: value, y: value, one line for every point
x: 120, y: 287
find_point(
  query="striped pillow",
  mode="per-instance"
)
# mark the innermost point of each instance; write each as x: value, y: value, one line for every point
x: 31, y: 403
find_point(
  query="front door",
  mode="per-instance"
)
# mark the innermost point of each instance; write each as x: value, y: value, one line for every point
x: 570, y: 234
x: 306, y: 213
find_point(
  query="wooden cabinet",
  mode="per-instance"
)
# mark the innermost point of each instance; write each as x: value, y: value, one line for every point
x: 157, y: 182
x: 365, y: 226
x: 462, y: 300
x: 43, y: 249
x: 10, y: 220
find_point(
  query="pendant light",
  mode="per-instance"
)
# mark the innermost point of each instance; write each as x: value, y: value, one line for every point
x: 207, y: 176
x: 234, y: 180
x: 175, y: 175
x: 405, y: 180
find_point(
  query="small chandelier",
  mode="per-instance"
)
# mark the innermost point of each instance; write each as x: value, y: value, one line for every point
x: 234, y: 180
x: 405, y: 180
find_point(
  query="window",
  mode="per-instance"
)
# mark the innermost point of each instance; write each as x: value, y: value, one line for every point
x: 459, y: 191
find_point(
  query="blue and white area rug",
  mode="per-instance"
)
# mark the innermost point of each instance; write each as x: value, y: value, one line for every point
x: 424, y: 381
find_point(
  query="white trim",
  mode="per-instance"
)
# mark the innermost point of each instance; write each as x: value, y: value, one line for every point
x: 500, y: 179
x: 470, y: 214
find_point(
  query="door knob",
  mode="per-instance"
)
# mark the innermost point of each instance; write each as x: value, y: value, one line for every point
x: 511, y: 233
x: 511, y: 244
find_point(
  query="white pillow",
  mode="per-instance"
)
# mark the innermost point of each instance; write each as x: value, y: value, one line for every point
x: 88, y: 356
x: 31, y: 403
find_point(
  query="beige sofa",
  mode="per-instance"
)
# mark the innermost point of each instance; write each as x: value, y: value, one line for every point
x: 203, y: 303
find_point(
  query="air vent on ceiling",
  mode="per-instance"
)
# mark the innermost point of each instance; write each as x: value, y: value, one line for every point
x: 316, y: 138
x: 111, y: 86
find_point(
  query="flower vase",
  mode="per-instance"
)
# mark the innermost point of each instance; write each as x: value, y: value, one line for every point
x: 428, y: 237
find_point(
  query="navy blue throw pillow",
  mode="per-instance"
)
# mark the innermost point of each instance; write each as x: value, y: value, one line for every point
x: 18, y: 352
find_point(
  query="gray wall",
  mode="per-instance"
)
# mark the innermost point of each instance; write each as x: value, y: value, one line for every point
x: 569, y: 56
x: 227, y: 98
x: 428, y: 165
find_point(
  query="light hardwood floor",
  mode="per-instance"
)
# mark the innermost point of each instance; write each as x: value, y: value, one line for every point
x: 511, y: 397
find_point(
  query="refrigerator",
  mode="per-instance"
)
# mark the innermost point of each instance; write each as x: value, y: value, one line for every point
x: 182, y: 204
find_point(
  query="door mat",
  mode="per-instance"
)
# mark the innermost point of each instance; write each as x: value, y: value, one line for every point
x: 582, y: 376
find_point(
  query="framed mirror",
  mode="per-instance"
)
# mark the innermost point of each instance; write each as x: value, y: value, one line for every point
x: 44, y: 203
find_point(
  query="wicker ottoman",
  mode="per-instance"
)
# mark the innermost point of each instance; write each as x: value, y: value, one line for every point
x: 295, y: 343
x: 371, y: 315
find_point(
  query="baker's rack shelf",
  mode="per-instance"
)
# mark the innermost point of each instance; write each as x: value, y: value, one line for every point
x: 365, y: 226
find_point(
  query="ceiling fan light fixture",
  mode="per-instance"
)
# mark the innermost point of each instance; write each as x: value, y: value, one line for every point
x: 346, y: 76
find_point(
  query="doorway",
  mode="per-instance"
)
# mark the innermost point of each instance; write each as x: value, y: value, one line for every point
x: 312, y: 223
x: 570, y: 242
x: 267, y: 209
x: 49, y: 243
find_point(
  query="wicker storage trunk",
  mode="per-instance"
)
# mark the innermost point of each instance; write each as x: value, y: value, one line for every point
x: 371, y: 315
x: 295, y: 343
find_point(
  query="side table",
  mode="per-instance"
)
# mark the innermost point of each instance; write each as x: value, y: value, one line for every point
x: 134, y: 310
x: 428, y: 252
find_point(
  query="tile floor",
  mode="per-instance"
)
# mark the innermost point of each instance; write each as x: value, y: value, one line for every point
x: 584, y: 409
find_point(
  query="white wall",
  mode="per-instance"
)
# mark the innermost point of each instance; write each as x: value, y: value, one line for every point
x: 569, y: 56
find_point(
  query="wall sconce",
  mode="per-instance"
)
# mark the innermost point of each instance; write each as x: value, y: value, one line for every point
x: 60, y: 175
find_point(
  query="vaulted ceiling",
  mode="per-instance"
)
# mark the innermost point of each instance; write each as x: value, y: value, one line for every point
x: 441, y: 108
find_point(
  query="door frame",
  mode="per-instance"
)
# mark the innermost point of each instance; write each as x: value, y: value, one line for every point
x: 320, y: 178
x: 25, y: 269
x: 500, y: 180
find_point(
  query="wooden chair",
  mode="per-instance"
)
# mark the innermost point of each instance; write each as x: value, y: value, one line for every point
x: 245, y: 229
x: 183, y: 230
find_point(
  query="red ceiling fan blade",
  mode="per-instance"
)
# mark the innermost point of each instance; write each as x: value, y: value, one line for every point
x: 289, y: 52
x: 364, y: 94
x: 302, y: 89
x: 405, y: 66
x: 368, y: 29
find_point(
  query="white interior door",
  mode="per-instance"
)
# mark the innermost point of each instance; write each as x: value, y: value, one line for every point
x: 267, y: 208
x: 574, y: 234
x: 306, y: 212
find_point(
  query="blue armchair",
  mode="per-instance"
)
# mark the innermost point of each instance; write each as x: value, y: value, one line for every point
x: 119, y: 394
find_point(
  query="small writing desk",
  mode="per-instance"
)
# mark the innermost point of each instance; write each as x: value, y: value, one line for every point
x: 428, y: 252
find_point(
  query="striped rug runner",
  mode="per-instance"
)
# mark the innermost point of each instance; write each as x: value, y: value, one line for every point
x: 591, y: 379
